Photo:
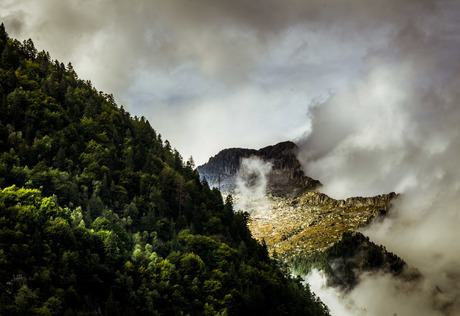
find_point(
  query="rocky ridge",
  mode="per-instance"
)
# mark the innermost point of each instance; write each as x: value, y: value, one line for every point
x: 303, y: 228
x: 292, y: 217
x: 285, y: 177
x: 312, y: 220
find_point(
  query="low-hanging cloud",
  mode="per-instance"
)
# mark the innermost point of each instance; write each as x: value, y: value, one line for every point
x: 251, y: 185
x: 380, y: 294
x: 397, y: 129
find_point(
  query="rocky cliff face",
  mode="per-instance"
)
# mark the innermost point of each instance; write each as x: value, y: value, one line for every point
x: 285, y: 175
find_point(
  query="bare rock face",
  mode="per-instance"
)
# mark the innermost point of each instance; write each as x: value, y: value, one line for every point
x: 285, y: 177
x: 320, y: 199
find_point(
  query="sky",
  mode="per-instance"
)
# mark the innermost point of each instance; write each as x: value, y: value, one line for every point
x: 209, y: 74
x: 368, y: 89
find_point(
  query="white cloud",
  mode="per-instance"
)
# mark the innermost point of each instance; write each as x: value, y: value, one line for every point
x: 396, y: 129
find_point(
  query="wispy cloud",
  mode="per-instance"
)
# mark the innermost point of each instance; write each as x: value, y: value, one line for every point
x: 251, y: 185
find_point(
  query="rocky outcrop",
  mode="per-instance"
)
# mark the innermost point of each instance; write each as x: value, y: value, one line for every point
x: 286, y: 175
x: 317, y: 198
x: 313, y: 221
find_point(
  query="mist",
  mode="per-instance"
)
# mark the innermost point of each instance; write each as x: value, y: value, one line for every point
x: 251, y: 185
x: 396, y: 128
x: 381, y: 294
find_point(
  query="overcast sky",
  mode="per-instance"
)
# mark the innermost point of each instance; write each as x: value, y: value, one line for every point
x: 214, y: 74
x: 369, y: 89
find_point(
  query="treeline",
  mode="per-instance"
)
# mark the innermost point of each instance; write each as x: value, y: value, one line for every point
x: 353, y: 254
x: 99, y: 215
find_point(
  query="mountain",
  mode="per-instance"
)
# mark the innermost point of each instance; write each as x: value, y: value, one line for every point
x: 300, y: 225
x: 285, y: 177
x: 100, y: 216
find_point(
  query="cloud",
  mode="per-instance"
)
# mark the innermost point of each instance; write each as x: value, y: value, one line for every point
x: 251, y: 185
x: 151, y: 54
x: 226, y: 40
x: 382, y: 294
x: 396, y: 129
x: 336, y: 301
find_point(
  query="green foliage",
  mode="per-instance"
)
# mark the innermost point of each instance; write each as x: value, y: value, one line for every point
x: 99, y: 216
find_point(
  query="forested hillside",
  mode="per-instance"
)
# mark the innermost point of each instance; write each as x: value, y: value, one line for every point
x: 99, y: 215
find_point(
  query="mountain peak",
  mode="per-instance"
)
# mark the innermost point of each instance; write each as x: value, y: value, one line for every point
x: 285, y: 175
x: 295, y: 220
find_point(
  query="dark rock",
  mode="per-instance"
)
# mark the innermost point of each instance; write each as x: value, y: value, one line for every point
x: 285, y: 177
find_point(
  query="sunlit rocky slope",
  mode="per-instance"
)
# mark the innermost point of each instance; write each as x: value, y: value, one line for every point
x: 300, y: 225
x: 286, y: 210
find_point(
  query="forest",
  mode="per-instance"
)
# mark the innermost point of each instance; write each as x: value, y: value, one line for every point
x: 101, y: 216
